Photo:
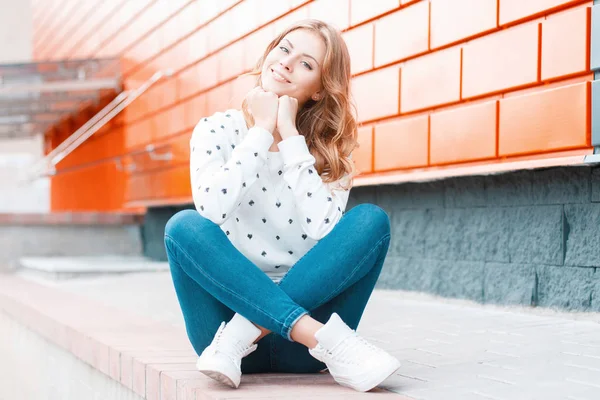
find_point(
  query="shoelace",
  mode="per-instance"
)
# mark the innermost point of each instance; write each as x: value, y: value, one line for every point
x: 236, y: 349
x: 354, y: 350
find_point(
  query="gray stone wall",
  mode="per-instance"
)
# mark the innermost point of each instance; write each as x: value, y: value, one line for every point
x: 526, y: 237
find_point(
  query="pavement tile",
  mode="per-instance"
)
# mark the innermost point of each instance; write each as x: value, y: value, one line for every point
x: 449, y: 349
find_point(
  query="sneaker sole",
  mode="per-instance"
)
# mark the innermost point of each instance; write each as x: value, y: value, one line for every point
x: 220, y: 377
x: 370, y: 382
x: 219, y: 371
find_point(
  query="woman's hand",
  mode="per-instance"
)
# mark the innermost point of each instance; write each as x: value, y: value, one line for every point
x: 263, y: 106
x: 286, y: 116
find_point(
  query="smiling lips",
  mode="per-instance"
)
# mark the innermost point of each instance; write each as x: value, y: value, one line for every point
x: 278, y: 77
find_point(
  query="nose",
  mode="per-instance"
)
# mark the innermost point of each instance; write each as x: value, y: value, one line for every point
x: 286, y: 63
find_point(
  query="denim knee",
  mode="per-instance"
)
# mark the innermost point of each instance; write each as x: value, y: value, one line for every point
x: 371, y: 215
x: 179, y: 220
x: 187, y: 228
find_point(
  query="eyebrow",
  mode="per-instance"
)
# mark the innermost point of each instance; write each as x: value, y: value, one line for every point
x: 307, y: 55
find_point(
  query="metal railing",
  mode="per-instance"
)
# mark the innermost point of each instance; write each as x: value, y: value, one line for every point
x: 47, y: 165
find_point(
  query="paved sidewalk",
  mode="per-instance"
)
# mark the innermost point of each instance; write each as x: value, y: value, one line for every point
x: 450, y: 349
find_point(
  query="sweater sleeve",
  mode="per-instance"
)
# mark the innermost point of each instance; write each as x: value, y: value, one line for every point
x: 320, y: 205
x: 221, y: 172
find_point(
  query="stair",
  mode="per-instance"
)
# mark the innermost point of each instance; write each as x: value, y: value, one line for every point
x: 68, y: 235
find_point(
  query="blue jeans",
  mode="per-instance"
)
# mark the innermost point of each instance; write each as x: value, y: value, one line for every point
x: 213, y: 281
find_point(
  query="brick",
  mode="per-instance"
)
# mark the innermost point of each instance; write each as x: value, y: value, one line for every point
x: 466, y: 234
x: 176, y: 122
x: 166, y: 93
x: 406, y: 273
x: 222, y: 31
x: 465, y: 192
x: 544, y: 120
x: 596, y: 291
x: 411, y: 24
x: 207, y: 73
x: 500, y: 61
x: 179, y: 146
x: 361, y: 10
x: 383, y: 102
x: 139, y: 377
x: 219, y: 98
x: 516, y: 10
x: 170, y: 380
x: 240, y: 88
x: 595, y: 104
x: 596, y: 184
x: 359, y: 195
x: 565, y: 43
x: 270, y: 10
x: 537, y: 235
x: 322, y: 10
x: 509, y: 284
x: 284, y: 22
x: 114, y: 364
x: 197, y: 44
x: 427, y: 194
x: 479, y: 234
x: 231, y: 61
x: 187, y: 82
x: 412, y: 195
x: 461, y: 279
x: 438, y: 243
x: 193, y: 109
x: 360, y: 46
x: 408, y: 233
x: 297, y: 3
x: 464, y: 134
x: 509, y: 189
x: 393, y: 197
x: 430, y: 80
x: 456, y: 20
x: 561, y: 185
x: 161, y: 122
x: 100, y: 356
x: 567, y: 288
x: 581, y: 235
x: 127, y: 370
x: 363, y: 155
x: 402, y: 143
x: 256, y: 44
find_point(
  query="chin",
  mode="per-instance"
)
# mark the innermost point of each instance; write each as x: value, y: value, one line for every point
x: 270, y: 87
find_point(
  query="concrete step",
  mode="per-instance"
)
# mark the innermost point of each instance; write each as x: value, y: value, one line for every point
x: 59, y: 268
x: 68, y: 235
x: 129, y: 328
x: 74, y: 347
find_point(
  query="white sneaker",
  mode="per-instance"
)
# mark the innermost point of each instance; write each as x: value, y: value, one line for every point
x: 222, y: 359
x: 351, y: 360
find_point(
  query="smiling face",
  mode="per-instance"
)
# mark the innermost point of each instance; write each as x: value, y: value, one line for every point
x: 294, y: 66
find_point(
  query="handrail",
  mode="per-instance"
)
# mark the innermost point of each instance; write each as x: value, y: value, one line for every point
x: 149, y: 149
x: 46, y: 166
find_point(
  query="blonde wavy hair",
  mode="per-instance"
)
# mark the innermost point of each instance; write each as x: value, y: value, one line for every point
x: 328, y: 124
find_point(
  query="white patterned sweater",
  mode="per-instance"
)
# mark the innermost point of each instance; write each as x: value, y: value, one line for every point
x: 273, y: 206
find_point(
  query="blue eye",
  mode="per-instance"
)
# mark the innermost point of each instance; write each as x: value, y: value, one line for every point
x: 285, y: 49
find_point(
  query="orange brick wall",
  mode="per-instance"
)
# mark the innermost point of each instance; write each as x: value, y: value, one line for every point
x: 437, y: 83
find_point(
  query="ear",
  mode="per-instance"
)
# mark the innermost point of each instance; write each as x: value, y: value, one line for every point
x: 316, y: 96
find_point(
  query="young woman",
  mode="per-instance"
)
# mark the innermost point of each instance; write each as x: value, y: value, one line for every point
x: 271, y: 273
